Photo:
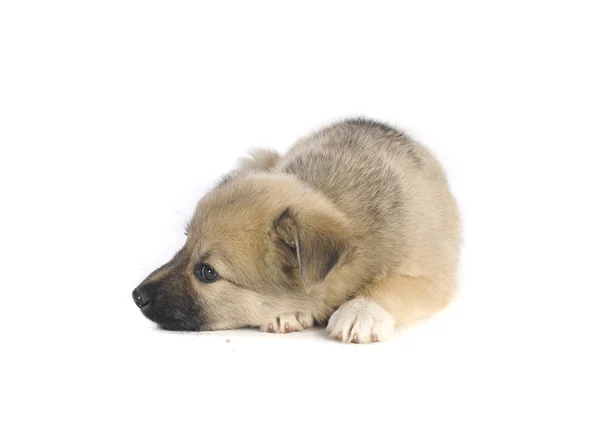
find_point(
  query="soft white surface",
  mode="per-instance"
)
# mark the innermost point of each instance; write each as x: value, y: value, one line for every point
x: 116, y: 116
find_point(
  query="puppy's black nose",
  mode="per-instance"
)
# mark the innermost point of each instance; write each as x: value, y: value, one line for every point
x: 141, y: 297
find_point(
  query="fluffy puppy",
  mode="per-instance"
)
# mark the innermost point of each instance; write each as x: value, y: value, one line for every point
x: 354, y: 228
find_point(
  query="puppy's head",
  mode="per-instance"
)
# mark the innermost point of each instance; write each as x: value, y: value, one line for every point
x: 255, y: 245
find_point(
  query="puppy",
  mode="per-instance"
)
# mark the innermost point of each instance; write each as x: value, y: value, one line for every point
x: 354, y: 228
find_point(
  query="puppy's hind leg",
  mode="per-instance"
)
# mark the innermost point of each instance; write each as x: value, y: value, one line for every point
x: 396, y: 300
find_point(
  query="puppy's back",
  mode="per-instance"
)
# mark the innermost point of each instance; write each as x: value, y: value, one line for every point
x: 391, y: 187
x: 351, y: 163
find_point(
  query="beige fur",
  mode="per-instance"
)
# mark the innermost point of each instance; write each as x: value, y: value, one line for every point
x: 354, y: 227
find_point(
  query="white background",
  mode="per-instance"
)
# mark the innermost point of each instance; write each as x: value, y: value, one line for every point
x: 116, y: 116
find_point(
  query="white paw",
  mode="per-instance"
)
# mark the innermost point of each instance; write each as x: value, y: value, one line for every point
x: 360, y: 321
x: 289, y: 322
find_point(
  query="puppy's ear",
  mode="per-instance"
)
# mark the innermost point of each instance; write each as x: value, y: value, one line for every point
x: 259, y: 159
x: 317, y: 240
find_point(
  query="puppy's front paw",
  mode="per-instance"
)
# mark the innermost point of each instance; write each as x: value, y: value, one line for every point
x: 360, y: 321
x: 289, y: 322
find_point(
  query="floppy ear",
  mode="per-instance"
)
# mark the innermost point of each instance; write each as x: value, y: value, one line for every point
x: 315, y: 239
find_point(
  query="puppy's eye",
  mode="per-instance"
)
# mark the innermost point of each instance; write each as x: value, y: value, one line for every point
x: 205, y: 273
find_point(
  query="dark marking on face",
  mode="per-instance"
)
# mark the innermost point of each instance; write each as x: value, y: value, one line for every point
x: 172, y: 305
x: 168, y: 296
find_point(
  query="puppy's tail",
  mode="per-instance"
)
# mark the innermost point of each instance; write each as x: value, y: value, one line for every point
x: 260, y: 159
